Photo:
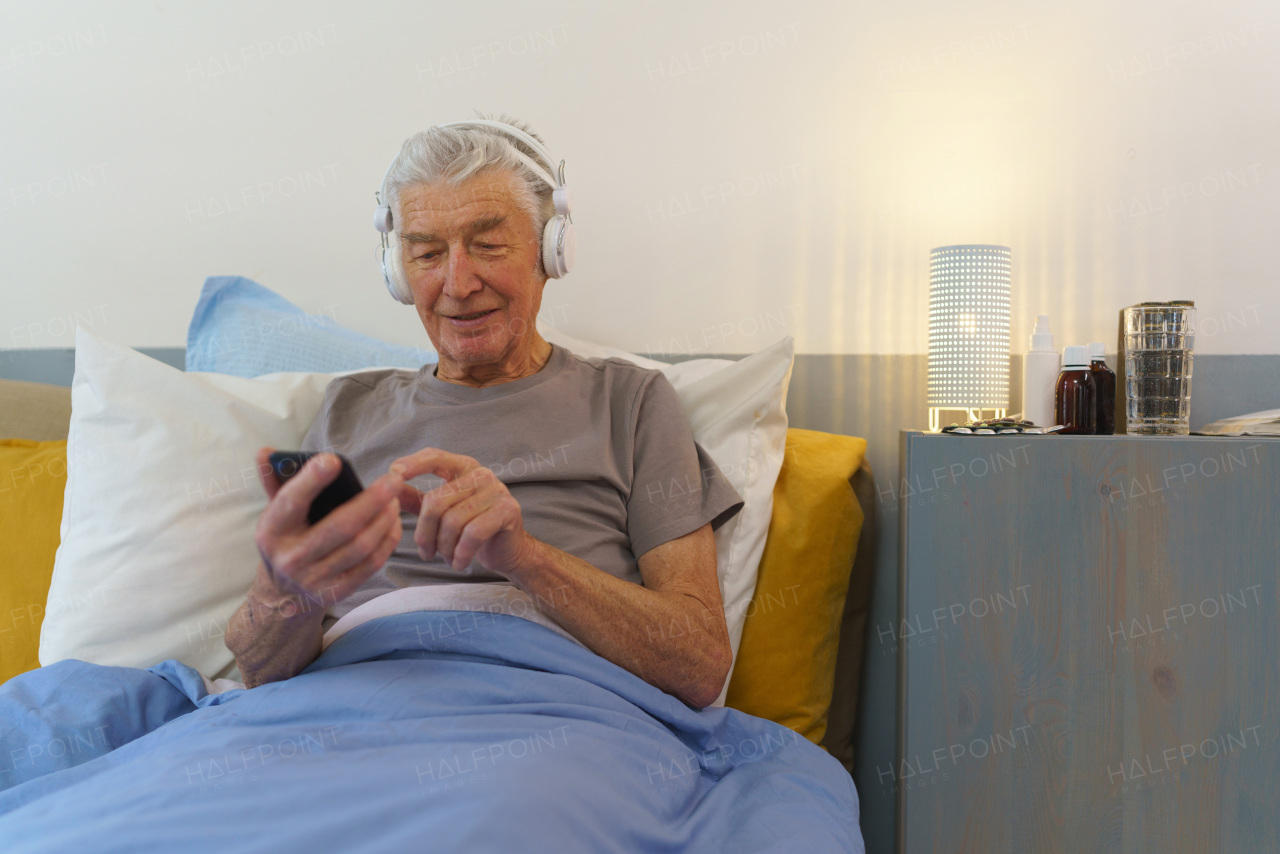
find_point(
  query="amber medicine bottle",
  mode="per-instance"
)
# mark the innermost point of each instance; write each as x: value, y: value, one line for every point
x: 1076, y: 395
x: 1105, y: 380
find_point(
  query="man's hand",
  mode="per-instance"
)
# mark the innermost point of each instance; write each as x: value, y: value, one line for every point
x: 275, y: 633
x: 470, y: 516
x: 335, y: 556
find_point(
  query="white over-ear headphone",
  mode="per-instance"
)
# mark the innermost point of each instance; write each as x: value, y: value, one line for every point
x: 559, y: 245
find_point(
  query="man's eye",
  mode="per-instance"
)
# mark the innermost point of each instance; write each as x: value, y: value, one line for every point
x: 487, y: 247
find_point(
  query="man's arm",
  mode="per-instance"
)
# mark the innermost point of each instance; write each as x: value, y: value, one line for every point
x: 273, y: 635
x: 671, y: 632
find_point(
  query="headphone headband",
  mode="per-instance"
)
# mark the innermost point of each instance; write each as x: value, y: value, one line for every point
x: 509, y: 130
x: 527, y: 139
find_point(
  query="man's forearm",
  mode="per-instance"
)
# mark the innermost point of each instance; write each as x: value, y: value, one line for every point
x: 274, y: 636
x: 669, y: 639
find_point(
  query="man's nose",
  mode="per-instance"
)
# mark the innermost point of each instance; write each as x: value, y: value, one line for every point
x: 460, y: 277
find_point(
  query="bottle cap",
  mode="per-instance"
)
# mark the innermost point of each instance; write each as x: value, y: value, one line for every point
x: 1042, y: 338
x: 1075, y: 358
x: 1097, y: 350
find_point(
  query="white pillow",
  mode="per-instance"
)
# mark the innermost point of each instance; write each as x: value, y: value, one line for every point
x: 161, y: 502
x: 162, y: 498
x: 738, y: 414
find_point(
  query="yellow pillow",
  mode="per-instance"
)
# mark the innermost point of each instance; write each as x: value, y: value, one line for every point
x: 33, y: 476
x: 787, y: 657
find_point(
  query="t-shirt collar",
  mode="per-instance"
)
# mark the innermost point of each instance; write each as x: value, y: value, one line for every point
x: 429, y: 381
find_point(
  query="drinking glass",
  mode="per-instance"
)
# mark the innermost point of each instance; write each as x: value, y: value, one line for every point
x: 1159, y: 341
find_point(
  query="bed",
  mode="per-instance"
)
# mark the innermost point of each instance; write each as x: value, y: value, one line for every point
x: 443, y: 725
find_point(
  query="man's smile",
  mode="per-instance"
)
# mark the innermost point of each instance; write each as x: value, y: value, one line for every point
x: 475, y: 315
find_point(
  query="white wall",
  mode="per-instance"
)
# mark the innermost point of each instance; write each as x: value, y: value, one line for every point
x: 741, y: 169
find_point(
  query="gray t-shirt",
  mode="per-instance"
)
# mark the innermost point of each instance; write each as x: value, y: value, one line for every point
x: 598, y: 453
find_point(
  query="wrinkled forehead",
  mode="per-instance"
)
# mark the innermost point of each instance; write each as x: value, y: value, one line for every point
x: 482, y: 201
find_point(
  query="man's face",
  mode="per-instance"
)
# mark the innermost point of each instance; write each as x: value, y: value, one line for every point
x: 471, y: 257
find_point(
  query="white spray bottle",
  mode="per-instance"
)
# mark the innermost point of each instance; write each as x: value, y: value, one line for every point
x: 1040, y: 368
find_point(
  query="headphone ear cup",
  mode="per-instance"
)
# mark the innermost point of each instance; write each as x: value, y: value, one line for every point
x: 393, y: 273
x: 558, y: 252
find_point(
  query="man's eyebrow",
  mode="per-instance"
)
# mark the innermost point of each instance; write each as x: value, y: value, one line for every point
x: 478, y: 226
x: 487, y: 223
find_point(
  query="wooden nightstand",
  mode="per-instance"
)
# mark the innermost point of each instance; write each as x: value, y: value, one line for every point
x: 1088, y: 644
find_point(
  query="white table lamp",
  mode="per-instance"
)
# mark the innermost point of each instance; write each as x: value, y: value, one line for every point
x: 969, y: 288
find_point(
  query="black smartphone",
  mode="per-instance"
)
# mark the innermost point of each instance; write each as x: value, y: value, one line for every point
x: 344, y: 487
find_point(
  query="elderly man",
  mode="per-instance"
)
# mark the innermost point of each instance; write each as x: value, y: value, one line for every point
x: 589, y: 525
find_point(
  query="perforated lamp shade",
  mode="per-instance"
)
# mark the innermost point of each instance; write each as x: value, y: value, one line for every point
x: 969, y: 291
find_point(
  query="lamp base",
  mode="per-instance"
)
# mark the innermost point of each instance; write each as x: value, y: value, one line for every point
x: 935, y: 415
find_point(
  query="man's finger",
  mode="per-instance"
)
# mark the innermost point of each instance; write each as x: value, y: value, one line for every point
x: 270, y: 483
x: 350, y: 579
x: 410, y: 499
x: 435, y: 504
x: 458, y: 517
x: 475, y: 534
x: 389, y: 544
x: 432, y: 461
x: 360, y: 548
x: 352, y: 517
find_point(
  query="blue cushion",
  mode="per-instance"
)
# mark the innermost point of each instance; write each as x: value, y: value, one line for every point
x: 244, y: 329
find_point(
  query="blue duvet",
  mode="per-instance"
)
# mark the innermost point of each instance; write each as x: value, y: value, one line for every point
x: 443, y: 731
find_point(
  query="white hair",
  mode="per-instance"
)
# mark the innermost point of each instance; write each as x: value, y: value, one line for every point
x: 454, y: 154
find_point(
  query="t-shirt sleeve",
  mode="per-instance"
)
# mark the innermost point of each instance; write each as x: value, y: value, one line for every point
x: 317, y: 438
x: 676, y: 487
